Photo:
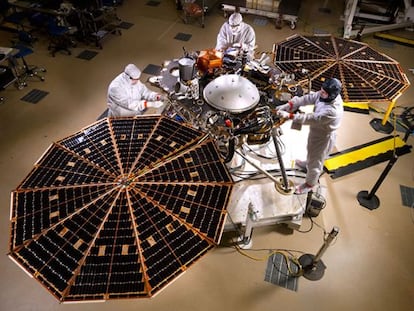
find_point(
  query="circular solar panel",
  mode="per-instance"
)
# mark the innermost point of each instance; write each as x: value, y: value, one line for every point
x: 120, y: 208
x: 366, y: 75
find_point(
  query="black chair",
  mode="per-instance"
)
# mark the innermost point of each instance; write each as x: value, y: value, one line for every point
x: 24, y: 70
x: 59, y: 38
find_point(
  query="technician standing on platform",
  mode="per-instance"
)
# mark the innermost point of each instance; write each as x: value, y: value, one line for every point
x: 128, y: 96
x: 323, y: 123
x: 238, y: 34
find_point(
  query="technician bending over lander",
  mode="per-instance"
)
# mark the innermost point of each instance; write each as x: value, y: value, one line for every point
x: 236, y: 33
x: 128, y: 96
x: 323, y: 123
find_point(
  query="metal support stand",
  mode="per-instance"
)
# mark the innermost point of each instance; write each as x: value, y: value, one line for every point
x: 370, y: 200
x: 245, y: 241
x: 351, y: 10
x: 286, y: 186
x: 280, y: 188
x: 313, y: 267
x: 383, y: 126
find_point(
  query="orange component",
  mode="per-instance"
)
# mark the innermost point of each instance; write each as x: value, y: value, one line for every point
x: 209, y: 59
x: 193, y: 9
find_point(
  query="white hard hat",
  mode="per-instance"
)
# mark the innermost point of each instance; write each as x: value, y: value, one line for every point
x: 132, y: 71
x: 235, y: 19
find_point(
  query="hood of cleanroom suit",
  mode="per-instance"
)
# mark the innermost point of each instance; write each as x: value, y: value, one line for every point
x: 132, y: 71
x: 333, y: 88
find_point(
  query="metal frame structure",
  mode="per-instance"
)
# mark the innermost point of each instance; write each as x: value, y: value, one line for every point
x: 273, y: 13
x: 352, y: 11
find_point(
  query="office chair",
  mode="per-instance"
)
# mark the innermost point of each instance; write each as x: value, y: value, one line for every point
x: 25, y: 70
x: 59, y: 38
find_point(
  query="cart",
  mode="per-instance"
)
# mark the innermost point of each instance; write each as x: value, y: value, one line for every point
x: 193, y: 9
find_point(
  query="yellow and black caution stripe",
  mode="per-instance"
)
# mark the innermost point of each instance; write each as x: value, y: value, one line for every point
x: 359, y: 157
x: 361, y: 107
x: 394, y: 38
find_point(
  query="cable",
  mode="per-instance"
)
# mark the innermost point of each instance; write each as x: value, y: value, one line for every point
x: 286, y: 255
x: 236, y: 228
x: 260, y: 155
x: 257, y: 175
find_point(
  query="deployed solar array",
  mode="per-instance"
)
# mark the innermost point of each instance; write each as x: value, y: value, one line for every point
x: 366, y: 75
x: 119, y: 209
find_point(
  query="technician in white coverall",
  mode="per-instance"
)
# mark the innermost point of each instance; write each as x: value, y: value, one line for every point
x: 323, y: 123
x: 236, y: 33
x: 128, y: 96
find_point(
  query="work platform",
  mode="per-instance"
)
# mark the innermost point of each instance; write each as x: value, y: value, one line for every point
x: 376, y: 17
x: 256, y: 200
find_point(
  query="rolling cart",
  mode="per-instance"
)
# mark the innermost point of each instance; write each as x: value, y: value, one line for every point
x: 97, y: 24
x: 193, y: 9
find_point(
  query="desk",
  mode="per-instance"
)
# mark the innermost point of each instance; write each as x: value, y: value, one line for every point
x: 32, y: 15
x: 30, y: 6
x: 8, y: 73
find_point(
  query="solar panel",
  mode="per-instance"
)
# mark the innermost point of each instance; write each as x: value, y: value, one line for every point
x: 120, y: 208
x: 366, y: 75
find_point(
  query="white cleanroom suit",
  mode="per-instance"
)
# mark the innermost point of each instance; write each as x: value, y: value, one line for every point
x: 127, y: 96
x: 236, y: 33
x: 323, y: 123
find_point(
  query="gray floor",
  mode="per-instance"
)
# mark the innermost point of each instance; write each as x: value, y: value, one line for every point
x: 369, y: 265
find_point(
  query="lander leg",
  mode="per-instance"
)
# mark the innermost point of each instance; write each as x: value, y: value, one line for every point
x: 245, y: 241
x: 286, y: 187
x: 279, y: 184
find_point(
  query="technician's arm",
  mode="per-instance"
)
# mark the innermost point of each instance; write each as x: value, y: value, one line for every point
x: 249, y: 43
x: 222, y: 39
x: 308, y: 99
x: 297, y: 102
x: 147, y: 94
x: 121, y: 98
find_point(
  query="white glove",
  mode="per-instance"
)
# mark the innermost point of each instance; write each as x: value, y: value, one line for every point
x: 156, y: 104
x: 284, y: 114
x: 284, y: 107
x: 161, y: 97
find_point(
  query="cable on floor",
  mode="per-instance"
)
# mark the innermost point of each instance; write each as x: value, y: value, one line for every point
x: 289, y: 258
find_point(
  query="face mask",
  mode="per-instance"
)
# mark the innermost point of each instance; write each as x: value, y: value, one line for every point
x: 235, y: 29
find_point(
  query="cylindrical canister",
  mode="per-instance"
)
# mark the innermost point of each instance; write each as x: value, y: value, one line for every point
x: 186, y: 67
